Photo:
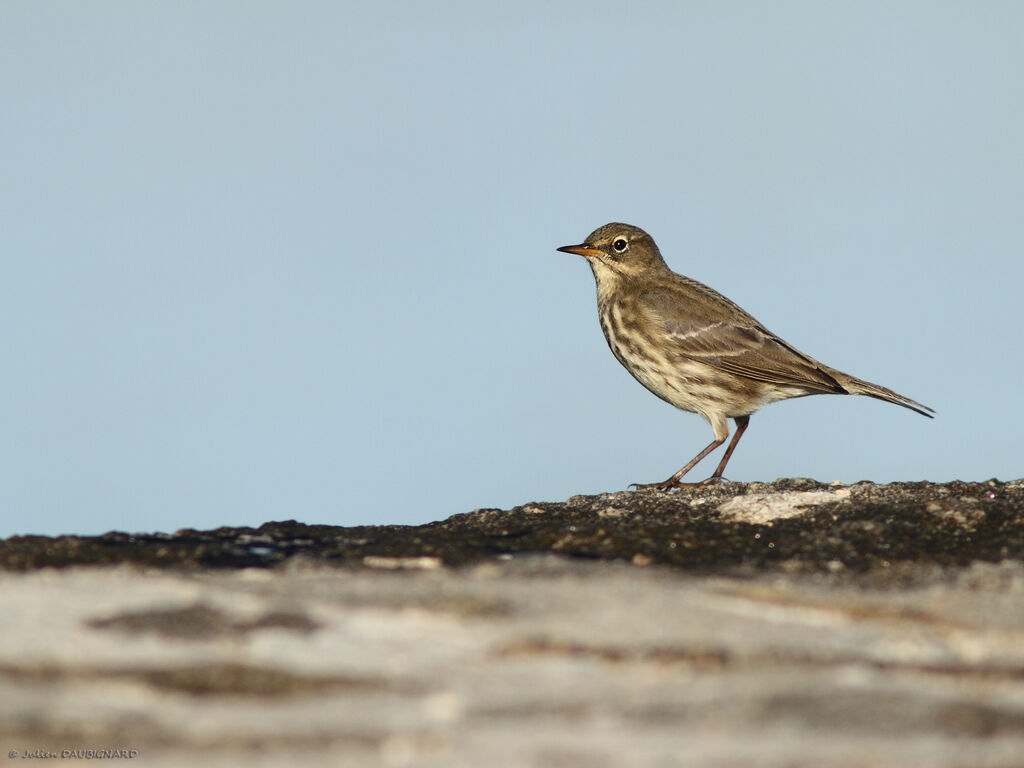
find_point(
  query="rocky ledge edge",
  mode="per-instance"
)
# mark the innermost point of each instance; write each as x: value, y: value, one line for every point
x: 788, y: 525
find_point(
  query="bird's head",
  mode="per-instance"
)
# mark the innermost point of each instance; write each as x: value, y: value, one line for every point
x: 619, y: 251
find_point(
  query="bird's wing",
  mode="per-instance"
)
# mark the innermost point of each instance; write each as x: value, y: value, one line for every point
x: 735, y: 343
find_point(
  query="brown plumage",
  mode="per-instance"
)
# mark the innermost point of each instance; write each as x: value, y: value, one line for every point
x: 696, y: 349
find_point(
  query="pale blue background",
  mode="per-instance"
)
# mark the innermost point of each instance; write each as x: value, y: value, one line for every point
x: 296, y: 260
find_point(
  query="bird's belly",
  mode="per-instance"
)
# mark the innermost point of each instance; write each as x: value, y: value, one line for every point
x: 688, y: 383
x: 692, y: 385
x: 674, y: 382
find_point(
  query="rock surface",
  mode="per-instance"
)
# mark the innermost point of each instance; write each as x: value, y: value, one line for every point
x: 784, y: 624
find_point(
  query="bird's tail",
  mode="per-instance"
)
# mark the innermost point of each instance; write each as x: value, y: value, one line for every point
x: 857, y: 386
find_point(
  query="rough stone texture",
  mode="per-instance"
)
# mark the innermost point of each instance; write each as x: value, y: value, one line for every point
x: 784, y: 624
x: 734, y: 527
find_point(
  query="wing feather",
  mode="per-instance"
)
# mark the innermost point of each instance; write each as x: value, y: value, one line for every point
x: 734, y: 342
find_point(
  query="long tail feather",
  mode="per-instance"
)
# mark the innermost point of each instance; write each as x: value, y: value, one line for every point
x: 859, y: 387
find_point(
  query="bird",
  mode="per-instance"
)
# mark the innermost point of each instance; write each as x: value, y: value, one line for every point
x: 697, y: 350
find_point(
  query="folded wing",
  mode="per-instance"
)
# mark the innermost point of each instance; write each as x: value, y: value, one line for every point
x: 736, y: 343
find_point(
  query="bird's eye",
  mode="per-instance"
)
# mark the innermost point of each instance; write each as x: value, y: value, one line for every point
x: 620, y: 244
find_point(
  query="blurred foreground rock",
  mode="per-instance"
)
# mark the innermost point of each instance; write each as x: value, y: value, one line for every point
x: 784, y: 624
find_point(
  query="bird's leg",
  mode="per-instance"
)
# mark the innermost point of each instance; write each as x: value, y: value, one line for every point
x: 741, y: 427
x: 673, y: 482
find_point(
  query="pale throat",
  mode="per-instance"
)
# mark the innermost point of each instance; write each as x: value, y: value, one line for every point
x: 607, y: 279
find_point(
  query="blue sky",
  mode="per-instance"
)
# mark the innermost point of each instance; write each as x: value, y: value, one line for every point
x: 296, y: 260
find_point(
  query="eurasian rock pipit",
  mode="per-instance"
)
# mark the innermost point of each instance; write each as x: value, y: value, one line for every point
x: 696, y: 349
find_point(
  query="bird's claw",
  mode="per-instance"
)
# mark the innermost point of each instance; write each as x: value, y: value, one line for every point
x: 671, y: 484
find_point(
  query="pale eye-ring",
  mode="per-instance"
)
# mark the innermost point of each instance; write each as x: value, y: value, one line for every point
x: 620, y: 244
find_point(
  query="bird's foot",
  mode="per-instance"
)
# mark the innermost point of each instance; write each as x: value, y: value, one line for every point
x: 672, y: 483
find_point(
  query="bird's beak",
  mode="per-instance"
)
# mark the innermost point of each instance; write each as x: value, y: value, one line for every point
x: 580, y: 250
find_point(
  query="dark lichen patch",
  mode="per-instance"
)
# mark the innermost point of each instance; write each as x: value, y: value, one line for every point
x: 199, y: 622
x: 210, y: 679
x: 461, y: 605
x: 243, y: 680
x: 898, y: 713
x: 870, y: 529
x: 705, y: 658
